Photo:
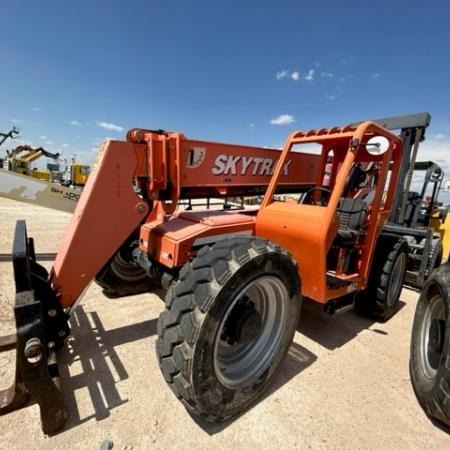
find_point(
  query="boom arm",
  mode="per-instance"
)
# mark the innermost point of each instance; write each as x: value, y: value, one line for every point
x: 144, y: 178
x: 33, y: 153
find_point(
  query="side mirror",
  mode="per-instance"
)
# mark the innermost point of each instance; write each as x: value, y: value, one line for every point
x: 377, y: 145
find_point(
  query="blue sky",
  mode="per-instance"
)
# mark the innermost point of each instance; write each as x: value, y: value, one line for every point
x: 250, y: 72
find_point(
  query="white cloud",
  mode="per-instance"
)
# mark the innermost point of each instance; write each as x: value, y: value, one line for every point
x: 439, y: 137
x: 282, y: 74
x: 36, y: 109
x: 65, y: 146
x: 310, y: 75
x: 75, y: 123
x: 283, y: 119
x: 110, y: 126
x: 295, y: 75
x: 252, y: 125
x: 43, y: 137
x: 375, y: 76
x: 331, y: 96
x: 49, y: 142
x: 327, y: 74
x: 17, y: 121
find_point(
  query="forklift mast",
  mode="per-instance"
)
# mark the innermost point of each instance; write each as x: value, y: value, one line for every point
x: 412, y: 129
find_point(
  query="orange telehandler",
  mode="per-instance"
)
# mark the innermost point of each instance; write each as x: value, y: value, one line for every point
x: 235, y: 278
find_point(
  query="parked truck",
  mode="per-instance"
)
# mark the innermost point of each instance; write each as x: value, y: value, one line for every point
x: 75, y: 174
x: 234, y: 278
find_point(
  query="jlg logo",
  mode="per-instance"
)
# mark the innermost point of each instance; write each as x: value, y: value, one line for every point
x: 196, y: 156
x: 234, y: 165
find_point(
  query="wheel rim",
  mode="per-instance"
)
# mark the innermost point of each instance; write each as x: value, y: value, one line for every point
x: 432, y: 336
x: 263, y: 303
x: 396, y: 279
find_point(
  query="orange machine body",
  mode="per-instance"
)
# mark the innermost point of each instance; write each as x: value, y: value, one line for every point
x: 139, y: 184
x: 136, y: 185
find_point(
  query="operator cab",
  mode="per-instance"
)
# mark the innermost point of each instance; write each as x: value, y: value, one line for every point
x: 353, y: 209
x: 332, y: 228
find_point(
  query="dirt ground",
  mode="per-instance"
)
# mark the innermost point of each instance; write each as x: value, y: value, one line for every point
x: 344, y: 383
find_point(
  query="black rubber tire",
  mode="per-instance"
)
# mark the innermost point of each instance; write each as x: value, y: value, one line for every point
x: 373, y: 302
x: 195, y: 307
x: 436, y: 252
x: 432, y: 392
x: 121, y: 276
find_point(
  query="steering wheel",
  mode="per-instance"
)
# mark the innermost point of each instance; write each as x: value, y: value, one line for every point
x: 310, y: 199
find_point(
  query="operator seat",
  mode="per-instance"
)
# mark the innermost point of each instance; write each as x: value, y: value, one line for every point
x: 352, y: 213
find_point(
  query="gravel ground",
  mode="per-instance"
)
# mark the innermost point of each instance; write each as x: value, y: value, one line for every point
x: 344, y: 383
